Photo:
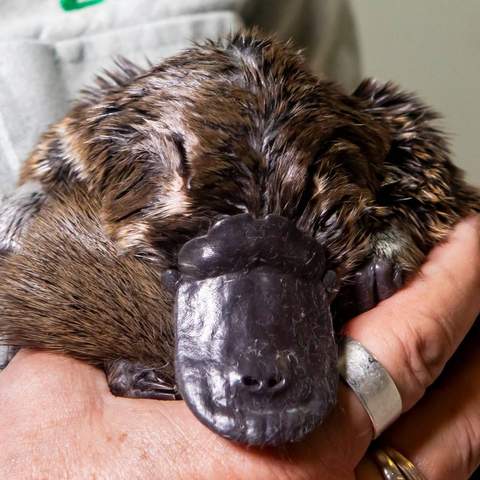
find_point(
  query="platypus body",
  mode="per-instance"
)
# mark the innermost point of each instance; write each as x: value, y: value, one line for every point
x: 203, y: 228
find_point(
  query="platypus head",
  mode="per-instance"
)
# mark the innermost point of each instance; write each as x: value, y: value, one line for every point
x: 255, y: 350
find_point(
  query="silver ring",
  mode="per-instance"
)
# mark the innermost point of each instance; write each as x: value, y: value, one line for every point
x: 371, y: 382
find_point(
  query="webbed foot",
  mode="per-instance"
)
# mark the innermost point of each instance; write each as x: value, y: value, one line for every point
x: 135, y: 380
x: 375, y: 281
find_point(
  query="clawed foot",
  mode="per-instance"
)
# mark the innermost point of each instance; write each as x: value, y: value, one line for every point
x: 134, y: 380
x: 374, y: 282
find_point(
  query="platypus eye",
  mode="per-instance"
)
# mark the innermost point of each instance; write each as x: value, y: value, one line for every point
x: 170, y: 279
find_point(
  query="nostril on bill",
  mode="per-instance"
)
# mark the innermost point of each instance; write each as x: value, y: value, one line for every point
x: 276, y: 384
x: 251, y: 383
x: 264, y: 385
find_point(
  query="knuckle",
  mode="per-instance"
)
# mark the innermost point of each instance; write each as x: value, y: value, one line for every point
x: 426, y: 345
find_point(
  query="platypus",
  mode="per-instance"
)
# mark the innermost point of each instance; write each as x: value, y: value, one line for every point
x: 202, y: 229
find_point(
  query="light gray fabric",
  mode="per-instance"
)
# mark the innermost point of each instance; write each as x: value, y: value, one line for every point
x: 47, y: 55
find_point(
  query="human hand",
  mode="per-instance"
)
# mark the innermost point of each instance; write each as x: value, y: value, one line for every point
x: 59, y: 420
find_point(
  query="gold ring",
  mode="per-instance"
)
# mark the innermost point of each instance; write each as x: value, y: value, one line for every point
x: 387, y: 466
x: 394, y: 466
x: 408, y: 469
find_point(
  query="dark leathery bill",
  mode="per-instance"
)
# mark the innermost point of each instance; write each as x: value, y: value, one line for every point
x: 255, y: 351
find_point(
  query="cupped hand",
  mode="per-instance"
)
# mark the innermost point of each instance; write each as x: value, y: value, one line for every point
x: 59, y: 420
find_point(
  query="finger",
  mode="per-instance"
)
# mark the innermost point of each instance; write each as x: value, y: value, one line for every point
x: 441, y: 434
x: 417, y: 330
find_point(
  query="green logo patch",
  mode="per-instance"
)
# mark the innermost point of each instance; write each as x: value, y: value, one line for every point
x: 76, y: 4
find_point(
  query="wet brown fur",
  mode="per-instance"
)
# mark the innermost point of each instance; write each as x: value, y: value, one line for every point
x: 150, y: 158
